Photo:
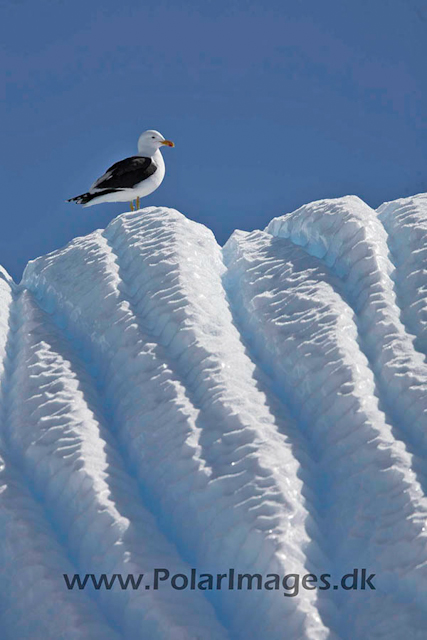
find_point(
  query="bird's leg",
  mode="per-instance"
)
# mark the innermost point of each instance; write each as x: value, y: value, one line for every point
x: 131, y: 205
x: 137, y: 202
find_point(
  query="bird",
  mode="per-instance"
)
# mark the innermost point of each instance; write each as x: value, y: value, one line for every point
x: 133, y: 177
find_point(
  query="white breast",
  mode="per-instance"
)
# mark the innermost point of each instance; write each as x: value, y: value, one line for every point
x: 150, y: 184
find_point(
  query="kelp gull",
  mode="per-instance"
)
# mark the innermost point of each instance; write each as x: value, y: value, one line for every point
x: 134, y: 177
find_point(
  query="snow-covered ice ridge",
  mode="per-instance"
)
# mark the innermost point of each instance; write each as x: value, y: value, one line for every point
x: 263, y: 407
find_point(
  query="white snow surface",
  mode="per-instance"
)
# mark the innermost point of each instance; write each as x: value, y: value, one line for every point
x: 166, y: 403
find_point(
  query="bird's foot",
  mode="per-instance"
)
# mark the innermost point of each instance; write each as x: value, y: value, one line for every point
x: 137, y: 203
x: 131, y: 205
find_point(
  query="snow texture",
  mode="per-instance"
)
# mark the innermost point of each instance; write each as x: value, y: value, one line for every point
x: 168, y: 403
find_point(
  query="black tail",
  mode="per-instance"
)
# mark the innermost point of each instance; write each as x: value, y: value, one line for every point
x: 83, y: 198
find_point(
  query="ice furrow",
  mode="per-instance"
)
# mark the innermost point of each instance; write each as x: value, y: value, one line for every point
x: 90, y: 492
x: 358, y: 453
x: 206, y: 354
x: 160, y: 428
x: 356, y: 251
x: 405, y: 221
x: 34, y: 601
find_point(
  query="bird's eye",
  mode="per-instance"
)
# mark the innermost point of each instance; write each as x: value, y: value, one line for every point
x: 154, y: 137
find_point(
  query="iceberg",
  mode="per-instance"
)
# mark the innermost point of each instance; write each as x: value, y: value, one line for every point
x: 173, y: 410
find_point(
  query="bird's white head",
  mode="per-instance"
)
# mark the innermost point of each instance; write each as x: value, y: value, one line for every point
x: 150, y: 141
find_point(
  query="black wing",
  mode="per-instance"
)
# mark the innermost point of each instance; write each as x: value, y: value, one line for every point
x: 126, y: 173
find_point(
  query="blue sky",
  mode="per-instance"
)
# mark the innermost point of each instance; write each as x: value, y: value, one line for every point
x: 270, y: 105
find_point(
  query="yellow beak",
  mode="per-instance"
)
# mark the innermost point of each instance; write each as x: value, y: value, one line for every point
x: 168, y: 143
